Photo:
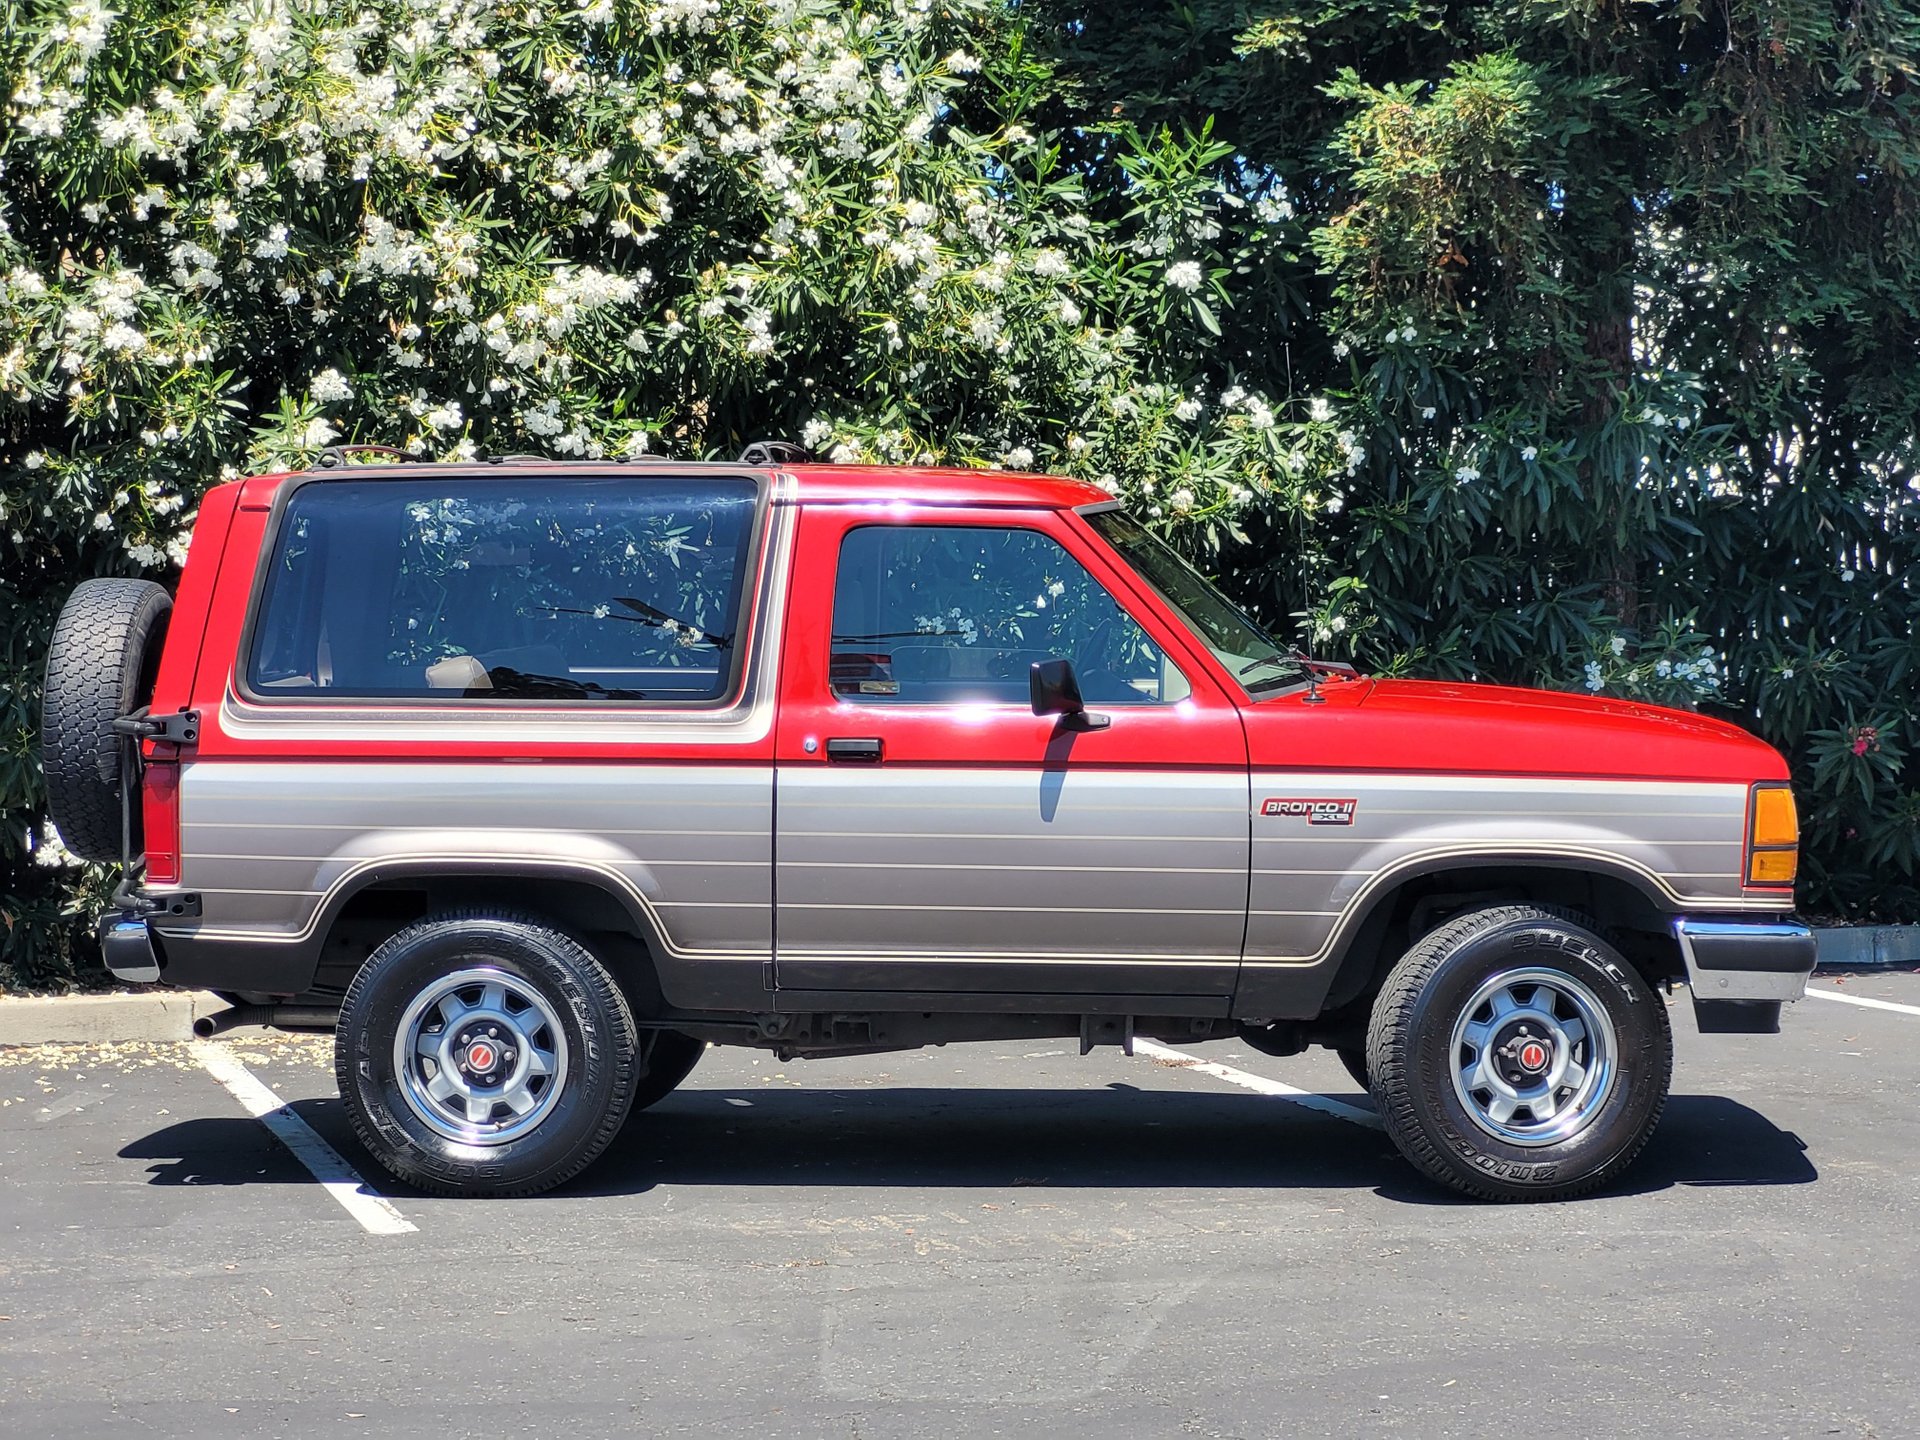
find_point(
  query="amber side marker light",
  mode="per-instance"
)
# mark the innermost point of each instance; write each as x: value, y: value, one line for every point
x: 1773, y: 836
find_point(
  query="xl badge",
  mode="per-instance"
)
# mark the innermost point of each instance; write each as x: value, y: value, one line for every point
x: 1314, y: 812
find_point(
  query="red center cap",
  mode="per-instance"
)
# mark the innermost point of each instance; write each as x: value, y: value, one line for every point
x: 1533, y: 1057
x: 480, y: 1056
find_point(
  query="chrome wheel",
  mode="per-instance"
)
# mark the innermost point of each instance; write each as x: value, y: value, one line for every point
x: 481, y: 1056
x: 1534, y: 1057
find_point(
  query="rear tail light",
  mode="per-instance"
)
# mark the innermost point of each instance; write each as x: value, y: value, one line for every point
x: 1773, y: 836
x: 160, y: 820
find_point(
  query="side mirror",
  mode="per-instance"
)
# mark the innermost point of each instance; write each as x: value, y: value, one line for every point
x: 1055, y: 690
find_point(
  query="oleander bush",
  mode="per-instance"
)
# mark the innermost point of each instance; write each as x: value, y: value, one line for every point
x: 1569, y: 344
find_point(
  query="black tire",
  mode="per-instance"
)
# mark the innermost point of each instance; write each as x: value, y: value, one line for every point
x: 100, y: 665
x: 670, y: 1058
x: 595, y: 1079
x: 1411, y: 1056
x: 1354, y: 1057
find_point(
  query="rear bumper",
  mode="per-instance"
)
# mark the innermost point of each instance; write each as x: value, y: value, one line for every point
x: 1742, y: 971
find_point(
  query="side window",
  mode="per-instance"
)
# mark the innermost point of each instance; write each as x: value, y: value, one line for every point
x: 549, y: 589
x: 958, y: 614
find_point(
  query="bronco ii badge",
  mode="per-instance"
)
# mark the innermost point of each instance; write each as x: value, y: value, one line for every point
x: 1314, y: 812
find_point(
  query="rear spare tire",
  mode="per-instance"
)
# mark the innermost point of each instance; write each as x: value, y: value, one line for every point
x: 100, y: 666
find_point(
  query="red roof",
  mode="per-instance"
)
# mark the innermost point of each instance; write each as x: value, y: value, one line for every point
x: 909, y: 484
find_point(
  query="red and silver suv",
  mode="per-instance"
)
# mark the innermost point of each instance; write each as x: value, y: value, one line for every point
x: 537, y: 778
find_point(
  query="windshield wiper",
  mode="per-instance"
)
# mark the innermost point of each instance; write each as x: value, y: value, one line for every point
x: 1277, y: 658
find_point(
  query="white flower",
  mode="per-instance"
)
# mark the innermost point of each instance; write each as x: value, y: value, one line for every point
x: 1466, y: 475
x: 1787, y: 674
x: 1618, y: 645
x: 1427, y: 412
x: 1530, y: 454
x: 961, y: 63
x: 1594, y: 680
x: 1020, y: 457
x: 122, y: 337
x: 1181, y: 500
x: 1184, y: 275
x: 1319, y: 411
x: 50, y: 852
x: 1188, y: 409
x: 816, y: 432
x: 1050, y: 264
x: 1341, y: 349
x: 328, y: 386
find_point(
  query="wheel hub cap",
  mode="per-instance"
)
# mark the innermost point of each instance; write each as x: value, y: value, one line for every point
x: 481, y: 1056
x: 1534, y: 1057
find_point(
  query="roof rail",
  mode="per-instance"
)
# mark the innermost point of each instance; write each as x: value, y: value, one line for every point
x: 775, y: 452
x: 336, y: 455
x: 523, y: 458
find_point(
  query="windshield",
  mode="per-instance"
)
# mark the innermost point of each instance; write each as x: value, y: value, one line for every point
x: 1249, y: 653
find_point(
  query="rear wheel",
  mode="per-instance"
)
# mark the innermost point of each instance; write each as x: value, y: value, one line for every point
x: 1517, y: 1056
x: 485, y: 1054
x: 1354, y: 1057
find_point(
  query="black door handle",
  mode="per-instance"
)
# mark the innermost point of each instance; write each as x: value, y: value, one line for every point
x: 864, y: 750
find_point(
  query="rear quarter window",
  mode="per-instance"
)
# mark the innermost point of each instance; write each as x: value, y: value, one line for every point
x: 568, y: 590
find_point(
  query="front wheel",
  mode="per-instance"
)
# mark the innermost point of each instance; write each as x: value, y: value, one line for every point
x: 1517, y: 1056
x: 485, y: 1054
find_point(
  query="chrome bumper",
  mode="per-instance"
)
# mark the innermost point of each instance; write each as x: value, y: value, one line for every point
x: 1742, y: 971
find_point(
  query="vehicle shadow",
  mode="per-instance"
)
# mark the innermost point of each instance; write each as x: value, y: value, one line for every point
x: 1118, y: 1137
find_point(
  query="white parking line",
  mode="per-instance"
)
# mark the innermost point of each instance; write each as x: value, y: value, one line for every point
x: 1866, y: 1000
x: 1259, y: 1084
x: 375, y: 1212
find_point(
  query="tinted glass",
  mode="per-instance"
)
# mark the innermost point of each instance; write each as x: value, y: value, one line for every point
x: 510, y: 589
x: 954, y: 614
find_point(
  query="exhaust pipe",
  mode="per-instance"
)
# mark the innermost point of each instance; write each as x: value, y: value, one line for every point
x: 280, y: 1017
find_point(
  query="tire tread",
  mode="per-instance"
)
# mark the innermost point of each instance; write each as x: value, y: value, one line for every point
x: 588, y: 969
x: 95, y: 663
x: 1392, y: 1020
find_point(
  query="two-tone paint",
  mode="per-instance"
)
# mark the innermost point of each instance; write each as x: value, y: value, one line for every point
x: 988, y: 853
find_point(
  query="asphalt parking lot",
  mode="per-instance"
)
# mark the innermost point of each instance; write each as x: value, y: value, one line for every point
x: 982, y: 1240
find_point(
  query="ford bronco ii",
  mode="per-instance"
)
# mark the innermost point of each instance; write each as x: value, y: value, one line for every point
x: 534, y: 779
